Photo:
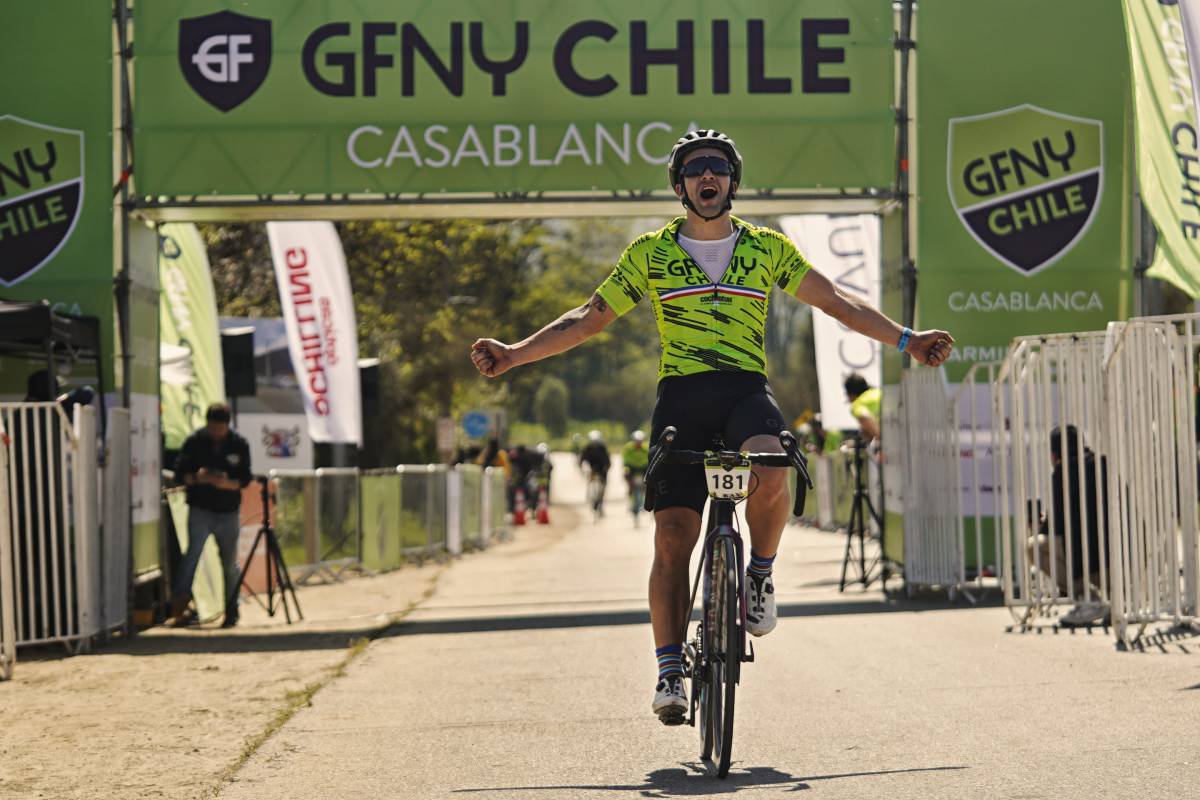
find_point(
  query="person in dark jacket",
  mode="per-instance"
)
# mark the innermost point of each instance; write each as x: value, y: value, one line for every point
x: 214, y: 465
x: 1077, y: 486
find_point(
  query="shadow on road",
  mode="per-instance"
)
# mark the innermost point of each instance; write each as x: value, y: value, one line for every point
x: 694, y: 779
x: 606, y: 618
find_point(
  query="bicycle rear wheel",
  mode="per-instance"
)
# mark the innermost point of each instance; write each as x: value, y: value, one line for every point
x: 724, y: 654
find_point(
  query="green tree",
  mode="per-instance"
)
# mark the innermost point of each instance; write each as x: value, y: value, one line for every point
x: 551, y: 405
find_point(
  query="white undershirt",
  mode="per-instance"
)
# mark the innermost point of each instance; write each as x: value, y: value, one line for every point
x: 713, y: 255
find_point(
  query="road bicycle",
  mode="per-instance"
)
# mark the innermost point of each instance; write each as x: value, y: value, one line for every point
x: 595, y: 493
x: 713, y: 657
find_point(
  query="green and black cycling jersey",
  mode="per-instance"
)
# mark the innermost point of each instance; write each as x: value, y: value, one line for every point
x: 705, y: 326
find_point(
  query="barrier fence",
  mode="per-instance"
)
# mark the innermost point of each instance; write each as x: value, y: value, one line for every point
x: 8, y: 628
x: 1049, y: 481
x: 1069, y: 470
x: 1152, y: 472
x: 329, y: 519
x: 932, y: 542
x: 51, y: 524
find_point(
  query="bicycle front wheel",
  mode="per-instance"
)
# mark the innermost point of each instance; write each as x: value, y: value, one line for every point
x: 725, y: 655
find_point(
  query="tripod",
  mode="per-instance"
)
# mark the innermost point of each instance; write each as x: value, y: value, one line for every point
x: 277, y: 571
x: 856, y: 529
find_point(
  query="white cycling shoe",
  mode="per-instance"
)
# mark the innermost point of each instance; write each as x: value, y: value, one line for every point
x: 670, y: 700
x: 761, y: 616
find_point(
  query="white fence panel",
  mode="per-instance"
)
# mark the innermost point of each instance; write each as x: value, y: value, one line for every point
x: 52, y: 523
x: 1049, y: 417
x: 8, y: 627
x: 116, y: 500
x: 932, y: 544
x: 1151, y: 385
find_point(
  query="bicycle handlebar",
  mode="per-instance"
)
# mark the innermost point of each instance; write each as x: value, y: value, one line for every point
x: 791, y: 457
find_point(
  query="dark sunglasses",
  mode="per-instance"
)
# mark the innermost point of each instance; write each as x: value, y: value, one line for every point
x: 714, y: 164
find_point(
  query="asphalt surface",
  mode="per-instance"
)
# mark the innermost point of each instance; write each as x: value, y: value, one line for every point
x: 529, y: 674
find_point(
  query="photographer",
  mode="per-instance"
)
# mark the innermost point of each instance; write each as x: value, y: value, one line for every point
x: 214, y: 465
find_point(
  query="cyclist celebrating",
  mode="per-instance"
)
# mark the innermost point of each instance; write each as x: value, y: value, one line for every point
x: 635, y: 457
x: 595, y: 455
x: 709, y: 276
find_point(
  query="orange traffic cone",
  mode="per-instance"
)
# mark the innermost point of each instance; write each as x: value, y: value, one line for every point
x: 543, y: 507
x: 519, y: 507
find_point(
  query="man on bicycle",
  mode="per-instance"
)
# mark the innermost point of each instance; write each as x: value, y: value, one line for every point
x: 595, y: 455
x: 709, y: 277
x: 635, y: 457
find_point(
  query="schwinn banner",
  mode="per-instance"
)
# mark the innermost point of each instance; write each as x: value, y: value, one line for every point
x: 301, y: 96
x: 1028, y: 230
x: 847, y: 249
x: 318, y: 310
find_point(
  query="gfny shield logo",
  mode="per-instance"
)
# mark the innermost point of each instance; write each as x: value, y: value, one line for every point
x: 1026, y: 182
x: 41, y: 192
x: 225, y: 56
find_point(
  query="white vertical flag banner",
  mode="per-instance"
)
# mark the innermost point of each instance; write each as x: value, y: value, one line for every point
x: 845, y: 248
x: 318, y: 310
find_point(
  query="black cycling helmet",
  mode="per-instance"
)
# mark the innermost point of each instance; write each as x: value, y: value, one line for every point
x: 705, y: 137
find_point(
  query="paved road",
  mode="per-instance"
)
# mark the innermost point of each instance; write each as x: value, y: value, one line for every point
x: 529, y: 673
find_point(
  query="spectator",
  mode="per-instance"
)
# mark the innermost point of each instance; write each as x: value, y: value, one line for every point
x: 865, y: 403
x: 1070, y: 489
x: 214, y: 465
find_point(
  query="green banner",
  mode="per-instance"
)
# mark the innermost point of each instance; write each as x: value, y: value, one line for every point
x: 187, y: 319
x: 1023, y: 152
x: 1168, y: 151
x: 56, y: 213
x: 378, y: 97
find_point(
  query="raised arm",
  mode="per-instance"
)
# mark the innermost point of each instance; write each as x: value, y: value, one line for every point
x: 494, y: 358
x: 930, y: 347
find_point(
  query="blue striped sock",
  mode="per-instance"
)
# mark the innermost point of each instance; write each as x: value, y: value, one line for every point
x: 670, y: 661
x: 759, y: 567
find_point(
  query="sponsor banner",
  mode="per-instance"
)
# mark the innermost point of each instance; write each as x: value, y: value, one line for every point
x: 277, y: 441
x: 318, y: 309
x: 187, y: 320
x: 1168, y: 147
x: 375, y: 96
x: 1029, y: 229
x: 846, y: 250
x: 56, y: 120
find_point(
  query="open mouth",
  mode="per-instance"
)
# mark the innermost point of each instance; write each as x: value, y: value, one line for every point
x: 708, y: 193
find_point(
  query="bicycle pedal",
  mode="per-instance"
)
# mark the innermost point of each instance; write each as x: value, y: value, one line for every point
x: 672, y: 717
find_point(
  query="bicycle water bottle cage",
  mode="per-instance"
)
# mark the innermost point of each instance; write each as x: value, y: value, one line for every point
x: 727, y: 475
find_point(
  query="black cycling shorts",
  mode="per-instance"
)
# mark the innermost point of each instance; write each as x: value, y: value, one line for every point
x: 731, y: 406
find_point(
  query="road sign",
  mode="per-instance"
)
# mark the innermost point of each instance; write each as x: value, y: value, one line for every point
x: 476, y: 424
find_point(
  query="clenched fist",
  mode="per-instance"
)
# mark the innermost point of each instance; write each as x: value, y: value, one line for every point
x: 491, y: 357
x: 930, y: 348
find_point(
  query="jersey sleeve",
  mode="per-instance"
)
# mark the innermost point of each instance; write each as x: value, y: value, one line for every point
x: 624, y: 287
x: 789, y: 267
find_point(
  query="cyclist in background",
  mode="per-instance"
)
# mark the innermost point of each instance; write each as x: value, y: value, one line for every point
x: 595, y: 455
x: 635, y: 457
x: 709, y: 277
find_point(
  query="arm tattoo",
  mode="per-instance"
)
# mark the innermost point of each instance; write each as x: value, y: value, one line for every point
x: 598, y: 303
x: 563, y: 324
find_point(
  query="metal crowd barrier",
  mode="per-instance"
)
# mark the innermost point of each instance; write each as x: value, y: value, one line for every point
x: 51, y: 525
x: 932, y: 541
x: 1045, y: 384
x: 8, y: 627
x: 979, y: 512
x: 328, y: 520
x: 1152, y: 472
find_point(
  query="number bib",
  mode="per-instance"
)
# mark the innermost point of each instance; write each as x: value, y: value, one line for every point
x: 729, y: 480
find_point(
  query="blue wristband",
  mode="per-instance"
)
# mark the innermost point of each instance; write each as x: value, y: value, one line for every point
x: 904, y: 337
